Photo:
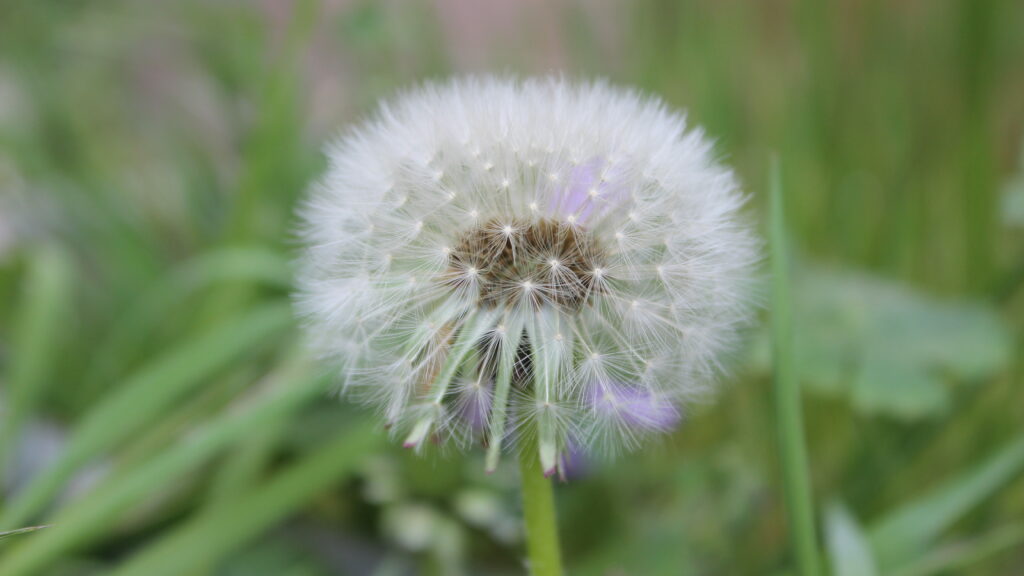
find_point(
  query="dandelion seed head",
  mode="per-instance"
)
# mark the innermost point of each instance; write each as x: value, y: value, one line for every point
x: 534, y: 264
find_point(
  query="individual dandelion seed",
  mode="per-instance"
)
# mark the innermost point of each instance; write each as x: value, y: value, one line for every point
x: 529, y: 263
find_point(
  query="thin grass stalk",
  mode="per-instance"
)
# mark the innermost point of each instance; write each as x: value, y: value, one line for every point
x: 789, y: 413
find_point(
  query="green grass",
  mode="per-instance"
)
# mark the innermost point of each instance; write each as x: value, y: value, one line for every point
x: 150, y: 160
x: 788, y: 404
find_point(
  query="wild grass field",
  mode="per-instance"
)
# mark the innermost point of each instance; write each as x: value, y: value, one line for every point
x: 159, y: 411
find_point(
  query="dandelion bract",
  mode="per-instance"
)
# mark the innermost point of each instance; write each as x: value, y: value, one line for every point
x: 535, y: 264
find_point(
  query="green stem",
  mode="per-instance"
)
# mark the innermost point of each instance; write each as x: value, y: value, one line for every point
x: 545, y: 558
x: 789, y: 415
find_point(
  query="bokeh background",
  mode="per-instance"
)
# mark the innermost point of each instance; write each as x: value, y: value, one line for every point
x: 159, y: 411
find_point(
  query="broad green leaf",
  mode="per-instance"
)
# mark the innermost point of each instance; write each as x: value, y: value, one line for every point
x: 890, y: 349
x: 884, y: 384
x: 966, y: 339
x: 906, y: 533
x: 848, y: 549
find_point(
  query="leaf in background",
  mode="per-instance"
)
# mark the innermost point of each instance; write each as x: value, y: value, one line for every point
x: 903, y: 535
x: 968, y: 340
x: 274, y: 557
x: 236, y: 265
x: 1013, y: 205
x: 9, y: 533
x: 889, y: 348
x: 43, y: 310
x: 848, y: 549
x: 212, y: 534
x: 140, y: 399
x: 886, y: 385
x: 1013, y: 198
x: 961, y: 555
x: 92, y: 517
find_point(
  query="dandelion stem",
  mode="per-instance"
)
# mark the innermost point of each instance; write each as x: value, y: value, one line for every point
x: 545, y: 558
x: 789, y: 415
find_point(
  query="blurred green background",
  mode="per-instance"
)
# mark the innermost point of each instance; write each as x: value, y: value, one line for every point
x: 158, y: 409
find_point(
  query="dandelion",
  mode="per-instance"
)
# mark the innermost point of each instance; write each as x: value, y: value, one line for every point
x: 531, y: 264
x: 542, y: 265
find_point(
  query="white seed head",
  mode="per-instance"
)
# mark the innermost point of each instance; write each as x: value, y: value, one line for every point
x: 580, y: 289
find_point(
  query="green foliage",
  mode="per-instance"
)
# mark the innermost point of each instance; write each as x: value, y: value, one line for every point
x: 9, y: 533
x: 126, y: 411
x: 44, y: 304
x: 789, y: 415
x: 888, y: 348
x: 965, y: 555
x: 211, y: 536
x: 905, y: 533
x: 902, y: 542
x: 1013, y: 197
x: 848, y: 548
x: 159, y: 415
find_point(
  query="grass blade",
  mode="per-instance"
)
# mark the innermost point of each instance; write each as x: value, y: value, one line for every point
x: 145, y: 396
x: 849, y: 551
x: 789, y: 413
x: 42, y: 312
x: 210, y: 536
x: 227, y: 265
x: 904, y: 534
x: 9, y: 533
x: 87, y: 518
x: 959, y: 556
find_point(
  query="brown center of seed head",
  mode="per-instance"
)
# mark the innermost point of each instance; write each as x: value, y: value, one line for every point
x: 542, y: 260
